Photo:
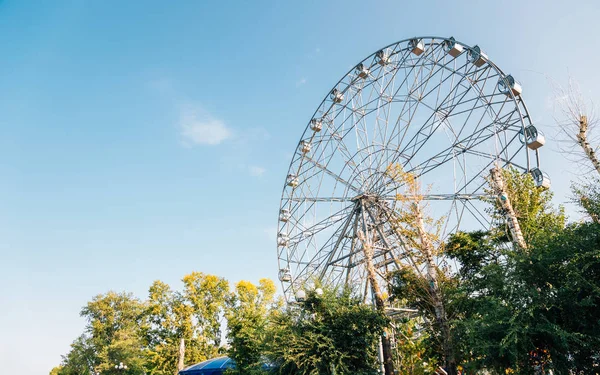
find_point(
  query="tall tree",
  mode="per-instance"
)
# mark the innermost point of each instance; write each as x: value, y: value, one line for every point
x: 185, y: 327
x: 331, y: 333
x: 411, y: 222
x: 501, y: 302
x: 206, y: 295
x: 170, y: 321
x: 115, y: 325
x: 81, y: 359
x: 248, y: 311
x: 577, y: 125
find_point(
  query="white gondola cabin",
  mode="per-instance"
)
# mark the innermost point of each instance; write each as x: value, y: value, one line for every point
x: 292, y: 180
x: 383, y: 58
x: 285, y: 275
x: 336, y: 96
x: 508, y: 84
x: 300, y: 296
x: 452, y: 48
x: 283, y: 239
x: 416, y: 46
x: 284, y: 215
x: 306, y: 146
x: 540, y: 178
x: 362, y: 71
x: 316, y: 125
x: 533, y: 138
x: 477, y: 57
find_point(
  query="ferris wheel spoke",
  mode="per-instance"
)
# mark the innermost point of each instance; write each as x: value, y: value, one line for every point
x: 438, y: 197
x: 418, y: 101
x: 332, y: 253
x: 304, y: 231
x: 414, y: 142
x: 463, y: 145
x: 481, y: 219
x: 332, y: 244
x: 320, y: 199
x: 332, y: 174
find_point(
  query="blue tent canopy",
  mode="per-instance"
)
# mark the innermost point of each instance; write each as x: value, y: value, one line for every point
x: 215, y: 366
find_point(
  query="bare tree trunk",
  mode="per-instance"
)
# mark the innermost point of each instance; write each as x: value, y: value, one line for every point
x: 181, y: 356
x: 436, y: 294
x: 585, y: 145
x: 388, y: 360
x: 497, y: 184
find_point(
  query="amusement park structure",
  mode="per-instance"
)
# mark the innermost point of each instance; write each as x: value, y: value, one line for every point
x: 422, y: 129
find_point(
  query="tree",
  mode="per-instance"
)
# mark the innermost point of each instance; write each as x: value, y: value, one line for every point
x: 577, y: 123
x: 110, y: 313
x: 81, y: 359
x: 411, y: 224
x: 115, y: 323
x: 532, y: 205
x: 127, y: 347
x: 185, y: 327
x: 248, y: 312
x: 206, y: 295
x: 331, y: 333
x: 587, y: 196
x: 513, y: 307
x: 164, y: 328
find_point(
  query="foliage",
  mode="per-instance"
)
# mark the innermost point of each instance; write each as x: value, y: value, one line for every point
x: 206, y: 295
x: 248, y: 311
x: 532, y: 205
x: 413, y: 348
x: 193, y: 315
x: 329, y: 334
x: 146, y: 335
x: 587, y: 195
x: 522, y: 310
x: 80, y: 360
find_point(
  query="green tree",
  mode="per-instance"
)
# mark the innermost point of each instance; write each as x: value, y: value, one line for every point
x: 522, y: 310
x: 185, y: 327
x: 170, y: 321
x: 207, y: 294
x: 81, y: 359
x: 127, y: 347
x: 109, y: 313
x: 115, y: 324
x: 329, y: 334
x: 532, y: 205
x: 248, y: 312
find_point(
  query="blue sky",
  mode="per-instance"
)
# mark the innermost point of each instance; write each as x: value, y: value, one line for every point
x: 143, y: 140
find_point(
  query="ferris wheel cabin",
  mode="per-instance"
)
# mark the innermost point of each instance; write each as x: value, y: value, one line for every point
x: 416, y: 46
x: 452, y: 48
x: 532, y: 137
x: 477, y: 57
x: 540, y: 178
x: 508, y: 85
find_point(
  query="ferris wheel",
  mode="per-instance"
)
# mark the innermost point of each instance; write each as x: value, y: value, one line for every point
x: 438, y: 109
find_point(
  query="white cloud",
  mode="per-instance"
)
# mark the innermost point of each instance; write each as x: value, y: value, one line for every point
x: 300, y: 82
x: 200, y: 128
x: 256, y: 171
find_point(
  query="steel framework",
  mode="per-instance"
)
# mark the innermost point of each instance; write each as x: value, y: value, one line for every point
x: 437, y: 108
